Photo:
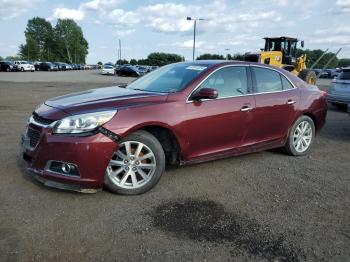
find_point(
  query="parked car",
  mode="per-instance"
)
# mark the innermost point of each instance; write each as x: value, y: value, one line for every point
x: 24, y: 66
x: 339, y: 91
x: 183, y: 113
x: 329, y: 73
x: 108, y: 70
x: 8, y: 66
x: 61, y: 66
x: 317, y: 71
x: 323, y: 74
x: 48, y: 66
x: 142, y: 69
x: 68, y: 66
x: 129, y: 70
x: 37, y: 65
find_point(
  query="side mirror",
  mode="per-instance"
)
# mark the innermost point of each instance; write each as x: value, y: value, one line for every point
x: 205, y: 93
x: 302, y: 44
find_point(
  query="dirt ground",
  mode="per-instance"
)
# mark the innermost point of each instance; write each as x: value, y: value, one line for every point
x: 264, y: 206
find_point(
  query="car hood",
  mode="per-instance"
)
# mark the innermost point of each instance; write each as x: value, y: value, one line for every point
x: 104, y: 98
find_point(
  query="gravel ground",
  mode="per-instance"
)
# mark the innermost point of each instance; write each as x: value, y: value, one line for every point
x: 264, y: 206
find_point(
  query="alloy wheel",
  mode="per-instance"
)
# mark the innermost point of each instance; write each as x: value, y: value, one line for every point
x: 132, y: 166
x: 302, y: 137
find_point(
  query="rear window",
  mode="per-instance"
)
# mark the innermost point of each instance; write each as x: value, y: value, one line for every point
x: 345, y: 75
x: 286, y: 84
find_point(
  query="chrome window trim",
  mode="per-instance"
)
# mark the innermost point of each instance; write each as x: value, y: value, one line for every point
x: 273, y: 69
x: 217, y: 69
x: 261, y: 93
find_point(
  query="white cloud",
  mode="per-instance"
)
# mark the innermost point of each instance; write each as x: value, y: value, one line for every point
x: 119, y: 18
x: 10, y: 9
x: 332, y: 40
x: 171, y: 17
x: 121, y: 33
x: 100, y: 5
x: 65, y: 13
x: 344, y: 5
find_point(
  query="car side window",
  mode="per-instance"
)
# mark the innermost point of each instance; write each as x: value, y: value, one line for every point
x: 267, y: 80
x: 286, y: 83
x: 228, y: 81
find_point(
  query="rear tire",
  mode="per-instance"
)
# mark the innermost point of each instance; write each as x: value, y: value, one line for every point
x: 308, y: 76
x: 301, y: 137
x: 137, y: 165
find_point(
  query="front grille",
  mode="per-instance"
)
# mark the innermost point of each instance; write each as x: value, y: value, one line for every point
x: 41, y: 120
x: 34, y: 136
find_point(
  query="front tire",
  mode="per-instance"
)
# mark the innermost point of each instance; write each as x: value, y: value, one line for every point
x: 137, y: 165
x: 301, y: 137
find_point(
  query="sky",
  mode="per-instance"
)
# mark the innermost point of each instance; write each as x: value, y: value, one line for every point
x: 145, y: 26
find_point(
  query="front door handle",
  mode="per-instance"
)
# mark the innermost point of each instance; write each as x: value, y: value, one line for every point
x: 291, y: 102
x: 246, y: 108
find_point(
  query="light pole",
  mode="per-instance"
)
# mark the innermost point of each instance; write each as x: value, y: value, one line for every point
x: 227, y: 49
x: 194, y: 32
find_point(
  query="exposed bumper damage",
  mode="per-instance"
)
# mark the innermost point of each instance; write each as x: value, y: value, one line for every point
x: 46, y: 154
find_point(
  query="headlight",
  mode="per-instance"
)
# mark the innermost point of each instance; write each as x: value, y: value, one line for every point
x: 83, y: 123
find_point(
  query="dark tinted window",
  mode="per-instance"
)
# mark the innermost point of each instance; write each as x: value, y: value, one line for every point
x: 228, y: 81
x: 267, y: 80
x: 345, y: 75
x: 286, y: 84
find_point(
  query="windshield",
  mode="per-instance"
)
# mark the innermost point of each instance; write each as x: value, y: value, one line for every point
x: 108, y: 67
x: 168, y: 79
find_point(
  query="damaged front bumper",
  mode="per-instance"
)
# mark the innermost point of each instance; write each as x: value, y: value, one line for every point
x: 46, y: 154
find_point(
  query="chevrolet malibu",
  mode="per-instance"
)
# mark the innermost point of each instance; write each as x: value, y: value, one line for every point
x: 183, y: 113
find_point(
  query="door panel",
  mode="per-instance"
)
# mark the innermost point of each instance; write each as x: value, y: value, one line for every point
x: 219, y: 125
x: 275, y: 110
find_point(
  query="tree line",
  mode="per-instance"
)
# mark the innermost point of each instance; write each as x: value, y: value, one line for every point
x: 63, y: 42
x: 160, y: 59
x: 312, y: 56
x: 154, y: 59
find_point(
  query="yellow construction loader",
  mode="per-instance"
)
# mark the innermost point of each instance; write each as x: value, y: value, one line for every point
x: 282, y: 52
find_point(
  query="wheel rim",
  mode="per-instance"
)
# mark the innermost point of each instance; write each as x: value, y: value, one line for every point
x: 132, y: 166
x: 302, y: 136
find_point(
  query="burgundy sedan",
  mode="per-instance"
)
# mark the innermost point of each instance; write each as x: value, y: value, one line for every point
x: 182, y: 113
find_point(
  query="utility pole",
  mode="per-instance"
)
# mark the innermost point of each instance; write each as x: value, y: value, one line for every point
x: 227, y: 49
x: 194, y: 39
x: 120, y: 51
x: 194, y: 33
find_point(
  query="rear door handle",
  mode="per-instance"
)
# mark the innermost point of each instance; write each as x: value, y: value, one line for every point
x: 291, y: 102
x: 246, y: 108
